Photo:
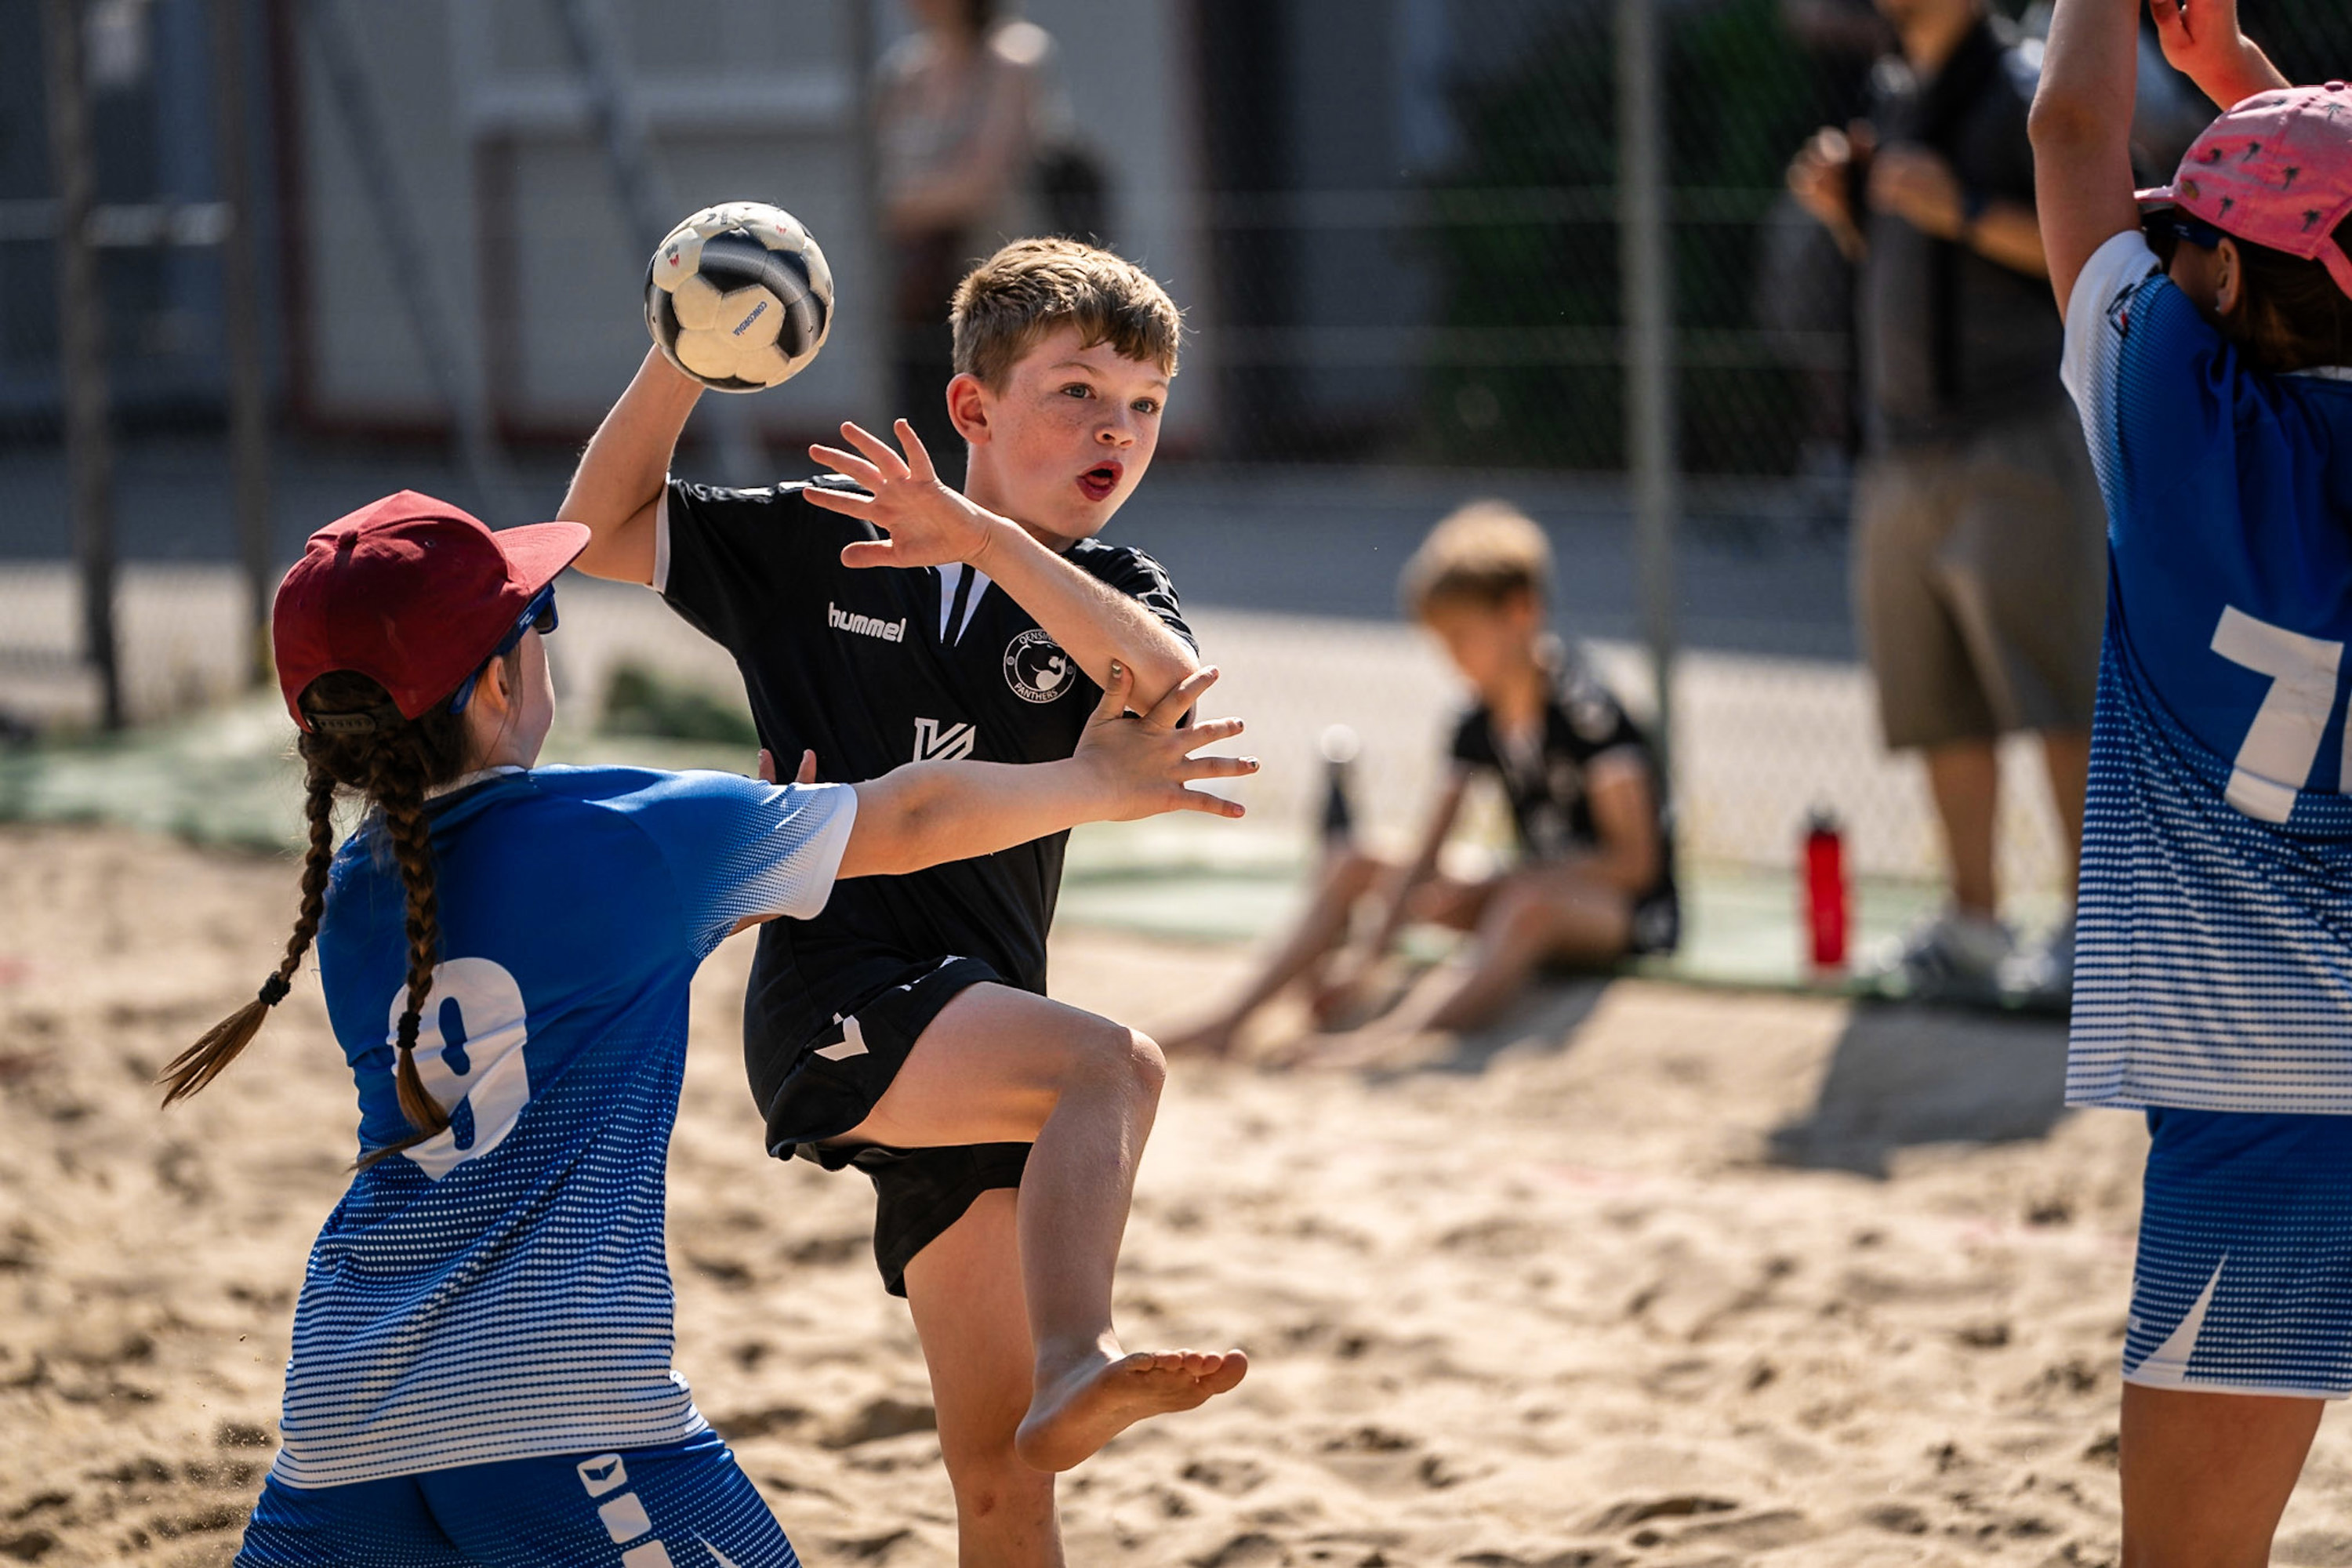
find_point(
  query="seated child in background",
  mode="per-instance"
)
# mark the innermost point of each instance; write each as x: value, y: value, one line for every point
x: 1596, y: 880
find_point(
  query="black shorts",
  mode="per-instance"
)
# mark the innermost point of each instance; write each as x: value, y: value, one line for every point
x: 823, y: 1087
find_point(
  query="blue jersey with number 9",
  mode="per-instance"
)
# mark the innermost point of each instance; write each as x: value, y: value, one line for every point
x: 501, y: 1291
x: 2214, y: 956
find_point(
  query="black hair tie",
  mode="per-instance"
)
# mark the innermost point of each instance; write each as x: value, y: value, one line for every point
x: 273, y: 990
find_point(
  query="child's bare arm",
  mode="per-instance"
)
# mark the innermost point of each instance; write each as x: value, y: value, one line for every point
x: 2201, y: 39
x: 2082, y: 134
x: 618, y: 485
x: 929, y: 524
x: 1624, y: 803
x: 924, y: 814
x: 1436, y: 830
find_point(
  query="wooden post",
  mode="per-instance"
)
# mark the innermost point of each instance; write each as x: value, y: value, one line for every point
x: 248, y: 407
x: 81, y: 342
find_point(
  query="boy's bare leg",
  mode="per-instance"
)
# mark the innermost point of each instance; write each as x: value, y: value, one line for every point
x: 1535, y: 918
x: 1000, y: 1066
x: 1346, y: 876
x: 964, y: 1290
x: 2066, y: 754
x: 2206, y: 1476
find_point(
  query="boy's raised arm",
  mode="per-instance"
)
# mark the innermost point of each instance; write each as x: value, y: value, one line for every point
x: 618, y: 485
x: 928, y: 524
x: 2081, y: 126
x: 1394, y: 898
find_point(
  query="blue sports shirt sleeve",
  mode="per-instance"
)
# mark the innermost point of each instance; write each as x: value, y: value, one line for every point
x: 2136, y: 346
x: 738, y: 849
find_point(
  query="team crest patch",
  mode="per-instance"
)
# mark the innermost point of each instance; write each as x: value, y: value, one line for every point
x: 2119, y: 310
x: 1036, y: 667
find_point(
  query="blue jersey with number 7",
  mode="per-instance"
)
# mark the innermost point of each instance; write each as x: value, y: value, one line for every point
x: 2213, y: 947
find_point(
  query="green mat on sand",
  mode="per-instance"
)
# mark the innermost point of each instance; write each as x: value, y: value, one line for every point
x: 228, y: 778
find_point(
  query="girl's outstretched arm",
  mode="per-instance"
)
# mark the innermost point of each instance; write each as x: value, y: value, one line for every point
x: 1126, y: 766
x: 2202, y: 42
x: 2082, y: 134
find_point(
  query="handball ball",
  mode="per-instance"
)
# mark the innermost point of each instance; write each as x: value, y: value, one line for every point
x: 739, y: 297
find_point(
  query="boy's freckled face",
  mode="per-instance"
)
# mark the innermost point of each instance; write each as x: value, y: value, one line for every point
x: 1068, y: 436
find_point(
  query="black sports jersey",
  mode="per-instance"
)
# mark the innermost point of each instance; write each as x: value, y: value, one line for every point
x: 870, y: 667
x: 1545, y: 779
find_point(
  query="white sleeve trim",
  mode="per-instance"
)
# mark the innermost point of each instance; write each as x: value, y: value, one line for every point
x: 2120, y: 264
x: 819, y: 861
x: 661, y: 540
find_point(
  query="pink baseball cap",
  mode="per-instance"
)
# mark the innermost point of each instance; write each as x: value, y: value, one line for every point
x: 2276, y: 169
x: 411, y: 592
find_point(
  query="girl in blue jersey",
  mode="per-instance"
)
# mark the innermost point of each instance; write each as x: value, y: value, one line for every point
x: 2208, y: 326
x: 481, y: 1364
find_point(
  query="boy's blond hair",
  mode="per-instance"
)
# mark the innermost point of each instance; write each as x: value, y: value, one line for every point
x: 1010, y: 301
x: 1481, y: 554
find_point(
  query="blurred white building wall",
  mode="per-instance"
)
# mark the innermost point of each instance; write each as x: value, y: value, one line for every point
x: 489, y: 127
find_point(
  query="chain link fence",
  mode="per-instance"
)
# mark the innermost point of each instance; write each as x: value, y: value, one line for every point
x: 1400, y: 227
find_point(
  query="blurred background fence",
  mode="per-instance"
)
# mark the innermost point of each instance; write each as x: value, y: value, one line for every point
x: 1395, y: 226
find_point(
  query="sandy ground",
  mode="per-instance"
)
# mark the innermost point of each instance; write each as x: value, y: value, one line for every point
x: 1652, y: 1277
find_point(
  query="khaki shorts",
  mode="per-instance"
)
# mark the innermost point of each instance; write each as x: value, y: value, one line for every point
x: 1980, y: 582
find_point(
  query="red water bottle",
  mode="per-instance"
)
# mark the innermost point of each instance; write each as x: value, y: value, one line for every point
x: 1825, y: 891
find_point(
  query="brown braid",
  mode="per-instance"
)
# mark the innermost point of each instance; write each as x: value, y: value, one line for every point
x: 202, y: 1062
x: 390, y: 770
x: 412, y: 846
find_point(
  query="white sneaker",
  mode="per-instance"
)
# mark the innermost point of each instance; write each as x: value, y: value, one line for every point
x: 1952, y: 957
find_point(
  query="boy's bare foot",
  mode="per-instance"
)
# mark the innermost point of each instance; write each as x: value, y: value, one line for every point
x: 1102, y: 1396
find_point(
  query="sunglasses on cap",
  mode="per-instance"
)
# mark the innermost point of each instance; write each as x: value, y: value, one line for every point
x: 538, y: 615
x: 2167, y: 227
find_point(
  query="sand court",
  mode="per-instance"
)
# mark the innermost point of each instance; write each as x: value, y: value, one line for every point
x: 1647, y: 1275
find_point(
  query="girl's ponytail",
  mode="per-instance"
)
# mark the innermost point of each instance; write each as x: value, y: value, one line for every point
x: 201, y: 1063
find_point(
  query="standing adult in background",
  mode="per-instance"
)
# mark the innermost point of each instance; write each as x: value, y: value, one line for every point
x: 1980, y: 565
x: 963, y: 105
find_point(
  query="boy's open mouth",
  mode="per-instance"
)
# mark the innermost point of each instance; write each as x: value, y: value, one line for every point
x: 1098, y: 482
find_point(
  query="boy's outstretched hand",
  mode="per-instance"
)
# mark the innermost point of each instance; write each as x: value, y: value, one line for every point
x: 928, y: 524
x: 1146, y: 760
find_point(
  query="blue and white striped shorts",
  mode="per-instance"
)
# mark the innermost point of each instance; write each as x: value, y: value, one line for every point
x: 684, y: 1506
x: 2243, y: 1282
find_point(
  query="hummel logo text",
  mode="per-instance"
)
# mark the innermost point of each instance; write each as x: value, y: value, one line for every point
x: 865, y: 626
x: 935, y: 743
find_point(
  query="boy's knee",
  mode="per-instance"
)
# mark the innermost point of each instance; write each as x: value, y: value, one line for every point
x: 1146, y: 1063
x: 1521, y: 912
x: 1114, y: 1055
x: 1352, y: 874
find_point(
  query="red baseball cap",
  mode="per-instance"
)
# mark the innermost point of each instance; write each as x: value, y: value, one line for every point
x: 412, y: 592
x: 2276, y: 169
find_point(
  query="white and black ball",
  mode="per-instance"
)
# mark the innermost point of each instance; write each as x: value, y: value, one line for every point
x: 739, y: 297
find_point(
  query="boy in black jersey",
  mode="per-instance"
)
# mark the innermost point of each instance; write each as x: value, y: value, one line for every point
x: 879, y: 618
x: 1597, y: 880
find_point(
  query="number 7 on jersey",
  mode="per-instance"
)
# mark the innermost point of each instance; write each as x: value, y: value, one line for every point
x: 2283, y: 741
